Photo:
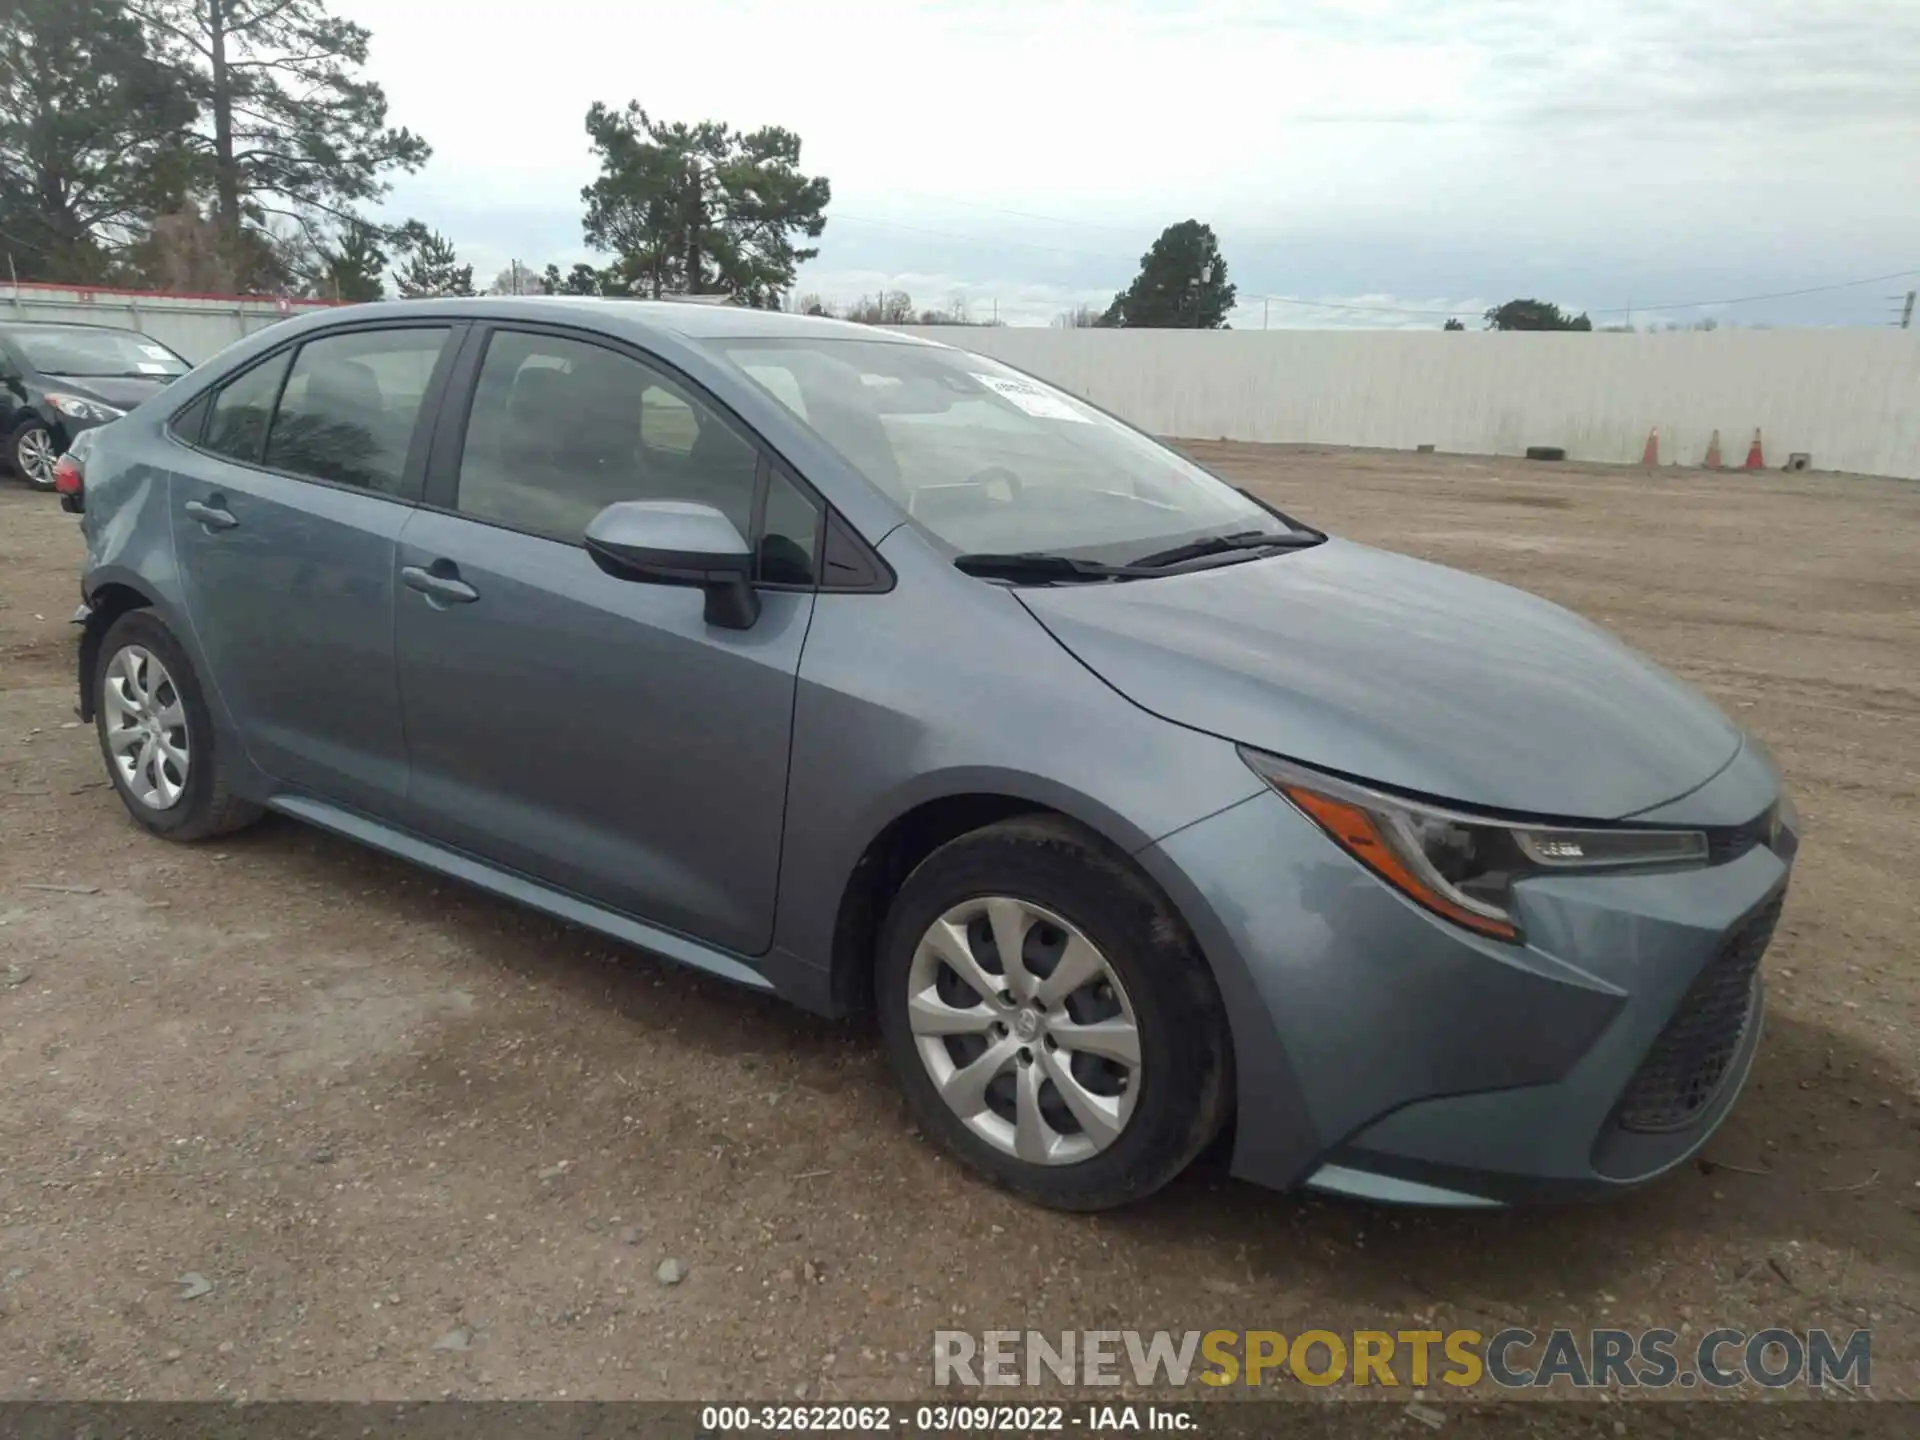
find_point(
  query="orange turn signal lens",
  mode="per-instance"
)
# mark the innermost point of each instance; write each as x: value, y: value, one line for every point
x: 1358, y: 833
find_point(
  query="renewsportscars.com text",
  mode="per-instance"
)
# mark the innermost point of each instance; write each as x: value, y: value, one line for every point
x: 1510, y: 1359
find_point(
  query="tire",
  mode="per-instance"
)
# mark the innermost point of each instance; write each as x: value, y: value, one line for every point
x: 22, y: 451
x: 1170, y: 1103
x: 197, y: 804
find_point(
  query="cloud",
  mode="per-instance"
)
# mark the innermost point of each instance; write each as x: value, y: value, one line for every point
x: 1592, y: 151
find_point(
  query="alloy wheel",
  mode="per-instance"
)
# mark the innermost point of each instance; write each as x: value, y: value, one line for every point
x: 35, y: 453
x: 1025, y: 1029
x: 146, y: 727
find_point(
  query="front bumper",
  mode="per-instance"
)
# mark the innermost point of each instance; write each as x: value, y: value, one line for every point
x: 1385, y: 1053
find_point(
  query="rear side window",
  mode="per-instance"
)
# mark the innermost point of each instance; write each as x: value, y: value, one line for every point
x: 237, y: 428
x: 350, y: 405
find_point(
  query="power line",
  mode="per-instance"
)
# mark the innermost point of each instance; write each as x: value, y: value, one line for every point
x: 1750, y: 299
x: 1343, y: 305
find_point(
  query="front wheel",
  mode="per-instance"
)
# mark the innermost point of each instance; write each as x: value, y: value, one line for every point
x: 156, y: 735
x: 1049, y: 1018
x: 34, y: 454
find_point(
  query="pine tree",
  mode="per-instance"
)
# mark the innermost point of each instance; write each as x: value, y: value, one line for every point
x: 431, y: 267
x: 90, y: 148
x: 701, y: 209
x: 289, y: 127
x: 1182, y: 284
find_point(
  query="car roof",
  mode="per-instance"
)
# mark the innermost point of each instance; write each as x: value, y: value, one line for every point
x: 696, y: 322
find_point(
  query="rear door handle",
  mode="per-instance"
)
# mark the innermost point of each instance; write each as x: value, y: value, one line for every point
x: 440, y: 589
x: 211, y: 517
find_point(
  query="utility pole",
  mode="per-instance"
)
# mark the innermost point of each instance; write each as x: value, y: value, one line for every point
x: 1906, y: 310
x: 1266, y: 309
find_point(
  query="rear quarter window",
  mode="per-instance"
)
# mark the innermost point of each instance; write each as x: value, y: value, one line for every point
x: 190, y: 421
x: 236, y: 426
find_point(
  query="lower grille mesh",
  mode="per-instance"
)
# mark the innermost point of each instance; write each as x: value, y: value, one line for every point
x: 1683, y: 1072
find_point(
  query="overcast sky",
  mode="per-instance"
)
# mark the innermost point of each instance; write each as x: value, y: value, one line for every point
x: 1390, y: 155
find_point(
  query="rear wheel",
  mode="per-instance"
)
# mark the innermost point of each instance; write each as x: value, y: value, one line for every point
x: 1049, y: 1018
x: 156, y: 735
x: 33, y: 454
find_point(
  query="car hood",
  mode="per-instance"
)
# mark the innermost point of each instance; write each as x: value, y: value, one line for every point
x: 123, y: 392
x: 1402, y: 672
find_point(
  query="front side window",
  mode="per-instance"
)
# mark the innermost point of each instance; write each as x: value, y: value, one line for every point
x: 560, y: 429
x: 989, y: 460
x: 237, y: 428
x: 350, y: 404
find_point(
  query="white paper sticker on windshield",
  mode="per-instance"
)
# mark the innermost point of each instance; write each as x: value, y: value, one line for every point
x: 147, y: 367
x: 1033, y: 399
x: 158, y: 352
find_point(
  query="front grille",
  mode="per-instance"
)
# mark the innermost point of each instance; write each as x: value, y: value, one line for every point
x: 1688, y: 1063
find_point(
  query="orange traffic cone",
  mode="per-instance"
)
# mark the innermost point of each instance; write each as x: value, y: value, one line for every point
x: 1713, y: 452
x: 1755, y: 460
x: 1651, y: 455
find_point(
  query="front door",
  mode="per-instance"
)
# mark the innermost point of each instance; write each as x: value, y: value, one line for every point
x: 284, y: 527
x: 593, y: 732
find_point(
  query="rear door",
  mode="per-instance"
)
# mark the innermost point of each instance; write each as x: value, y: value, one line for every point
x: 590, y: 731
x: 284, y: 525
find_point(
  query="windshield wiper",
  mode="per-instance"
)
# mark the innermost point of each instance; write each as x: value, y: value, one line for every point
x: 1225, y: 544
x: 1035, y: 567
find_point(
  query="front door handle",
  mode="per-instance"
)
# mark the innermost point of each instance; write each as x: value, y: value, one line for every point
x: 211, y: 517
x: 439, y: 588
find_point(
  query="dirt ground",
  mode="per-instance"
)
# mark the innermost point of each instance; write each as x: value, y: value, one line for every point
x: 419, y: 1143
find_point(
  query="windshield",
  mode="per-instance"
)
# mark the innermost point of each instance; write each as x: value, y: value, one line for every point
x: 991, y: 461
x: 83, y: 353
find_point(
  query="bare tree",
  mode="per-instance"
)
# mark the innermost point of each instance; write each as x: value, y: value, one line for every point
x: 889, y: 307
x: 956, y: 313
x: 516, y: 279
x: 1080, y: 317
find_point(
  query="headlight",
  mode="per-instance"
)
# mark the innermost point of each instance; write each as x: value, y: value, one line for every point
x: 83, y: 409
x: 1462, y: 866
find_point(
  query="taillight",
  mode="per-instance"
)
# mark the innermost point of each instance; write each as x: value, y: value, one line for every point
x: 67, y: 478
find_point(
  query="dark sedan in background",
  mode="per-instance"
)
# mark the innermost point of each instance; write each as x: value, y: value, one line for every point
x: 58, y: 379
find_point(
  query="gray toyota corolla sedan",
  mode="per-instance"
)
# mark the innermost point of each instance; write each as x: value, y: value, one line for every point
x: 875, y: 674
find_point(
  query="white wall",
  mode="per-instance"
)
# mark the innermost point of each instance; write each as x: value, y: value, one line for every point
x: 195, y: 327
x: 1849, y: 398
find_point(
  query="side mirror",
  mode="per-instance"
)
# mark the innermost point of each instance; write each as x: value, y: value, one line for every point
x: 673, y: 542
